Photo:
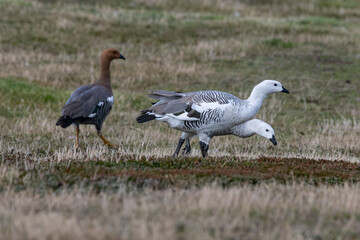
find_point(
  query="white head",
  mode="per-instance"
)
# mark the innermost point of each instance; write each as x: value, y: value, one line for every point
x: 271, y: 86
x: 264, y: 130
x: 254, y: 126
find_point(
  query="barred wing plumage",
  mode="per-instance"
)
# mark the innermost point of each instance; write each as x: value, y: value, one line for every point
x: 174, y: 102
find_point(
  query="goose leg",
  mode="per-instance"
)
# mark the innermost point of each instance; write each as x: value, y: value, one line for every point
x: 204, y: 149
x: 77, y: 136
x: 204, y: 144
x: 187, y: 148
x: 180, y: 143
x: 106, y: 142
x: 184, y: 136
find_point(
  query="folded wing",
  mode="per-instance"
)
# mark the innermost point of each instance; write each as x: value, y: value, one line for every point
x: 187, y: 106
x: 85, y: 100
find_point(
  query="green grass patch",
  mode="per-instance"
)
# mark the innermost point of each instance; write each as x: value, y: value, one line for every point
x: 320, y: 21
x: 16, y: 95
x: 278, y: 43
x: 338, y: 4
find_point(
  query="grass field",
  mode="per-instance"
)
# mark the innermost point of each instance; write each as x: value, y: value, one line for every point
x: 306, y: 187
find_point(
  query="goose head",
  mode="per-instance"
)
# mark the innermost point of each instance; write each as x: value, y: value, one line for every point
x: 265, y: 130
x: 111, y: 54
x: 271, y: 86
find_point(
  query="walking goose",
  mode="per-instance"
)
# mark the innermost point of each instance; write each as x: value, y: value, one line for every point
x: 244, y: 130
x: 90, y: 104
x: 207, y: 113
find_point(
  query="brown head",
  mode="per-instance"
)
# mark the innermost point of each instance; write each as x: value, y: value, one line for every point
x: 111, y: 54
x: 106, y: 57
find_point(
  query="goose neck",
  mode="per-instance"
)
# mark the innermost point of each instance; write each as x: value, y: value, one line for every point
x: 104, y: 78
x: 257, y: 96
x: 243, y: 130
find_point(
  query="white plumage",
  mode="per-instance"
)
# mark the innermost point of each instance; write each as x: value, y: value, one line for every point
x: 244, y: 130
x: 207, y: 113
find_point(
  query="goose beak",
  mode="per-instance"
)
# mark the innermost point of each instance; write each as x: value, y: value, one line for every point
x: 122, y: 57
x: 284, y: 90
x: 273, y: 140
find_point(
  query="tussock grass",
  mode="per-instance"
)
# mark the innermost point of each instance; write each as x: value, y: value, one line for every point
x: 305, y: 187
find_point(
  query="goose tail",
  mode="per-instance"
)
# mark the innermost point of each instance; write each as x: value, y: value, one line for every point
x: 145, y: 116
x: 64, y: 121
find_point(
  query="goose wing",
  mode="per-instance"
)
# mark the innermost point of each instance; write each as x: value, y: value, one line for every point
x: 85, y: 100
x: 192, y: 104
x: 165, y: 95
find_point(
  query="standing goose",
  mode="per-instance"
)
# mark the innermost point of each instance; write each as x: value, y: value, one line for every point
x: 90, y: 104
x: 244, y: 130
x: 207, y: 113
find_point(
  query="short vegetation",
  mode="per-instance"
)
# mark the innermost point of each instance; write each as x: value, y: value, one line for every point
x: 306, y: 187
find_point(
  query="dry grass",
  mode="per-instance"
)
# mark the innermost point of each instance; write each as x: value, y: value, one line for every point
x: 267, y: 211
x: 249, y: 189
x: 332, y: 140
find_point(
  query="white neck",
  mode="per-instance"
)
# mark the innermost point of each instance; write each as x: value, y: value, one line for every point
x: 257, y: 96
x: 244, y: 130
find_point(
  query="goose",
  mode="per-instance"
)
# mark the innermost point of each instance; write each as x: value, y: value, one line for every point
x: 91, y: 104
x: 244, y: 130
x: 206, y: 113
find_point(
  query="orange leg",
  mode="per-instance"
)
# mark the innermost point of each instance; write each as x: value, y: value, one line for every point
x: 106, y: 142
x: 77, y: 136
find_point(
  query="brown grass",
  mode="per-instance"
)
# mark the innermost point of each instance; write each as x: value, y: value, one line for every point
x: 269, y: 211
x: 304, y: 188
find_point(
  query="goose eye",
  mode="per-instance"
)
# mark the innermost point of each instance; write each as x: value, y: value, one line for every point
x: 114, y: 52
x: 267, y: 130
x: 275, y: 84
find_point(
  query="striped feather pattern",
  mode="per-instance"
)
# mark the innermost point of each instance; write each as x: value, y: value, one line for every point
x: 99, y: 115
x: 207, y: 113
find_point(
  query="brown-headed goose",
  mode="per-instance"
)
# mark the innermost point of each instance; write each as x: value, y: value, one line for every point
x: 90, y: 104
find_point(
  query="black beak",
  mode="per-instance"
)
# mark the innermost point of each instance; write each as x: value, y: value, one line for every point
x: 284, y: 90
x: 122, y: 57
x: 273, y: 140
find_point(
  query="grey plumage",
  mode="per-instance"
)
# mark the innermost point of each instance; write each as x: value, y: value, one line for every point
x: 169, y: 102
x: 175, y: 102
x: 88, y: 105
x: 165, y: 95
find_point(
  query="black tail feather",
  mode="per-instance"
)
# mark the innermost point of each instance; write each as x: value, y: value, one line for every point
x: 144, y: 117
x: 64, y: 121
